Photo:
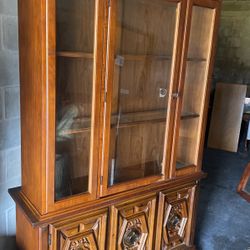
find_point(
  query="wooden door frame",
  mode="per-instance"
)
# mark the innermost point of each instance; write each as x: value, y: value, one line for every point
x: 51, y: 204
x: 211, y: 4
x: 108, y: 84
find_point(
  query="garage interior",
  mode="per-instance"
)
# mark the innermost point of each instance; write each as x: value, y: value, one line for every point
x: 223, y: 216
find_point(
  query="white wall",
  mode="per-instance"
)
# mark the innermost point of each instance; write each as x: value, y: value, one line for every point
x: 10, y: 163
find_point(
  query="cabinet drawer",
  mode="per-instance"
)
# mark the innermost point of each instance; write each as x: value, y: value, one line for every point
x: 82, y: 232
x: 175, y: 217
x: 132, y: 225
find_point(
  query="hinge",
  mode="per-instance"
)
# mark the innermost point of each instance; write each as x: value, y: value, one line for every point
x: 175, y: 95
x: 101, y: 180
x: 49, y: 239
x: 109, y: 4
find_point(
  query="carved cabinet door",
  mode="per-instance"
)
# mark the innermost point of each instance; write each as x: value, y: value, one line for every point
x: 81, y: 233
x: 132, y: 224
x: 175, y: 218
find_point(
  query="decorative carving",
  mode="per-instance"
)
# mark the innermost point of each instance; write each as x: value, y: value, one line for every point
x: 175, y: 218
x: 81, y: 241
x: 134, y: 232
x: 81, y: 244
x: 134, y: 223
x: 83, y: 234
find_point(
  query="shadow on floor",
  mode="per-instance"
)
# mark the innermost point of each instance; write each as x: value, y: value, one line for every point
x: 223, y: 219
x: 8, y: 243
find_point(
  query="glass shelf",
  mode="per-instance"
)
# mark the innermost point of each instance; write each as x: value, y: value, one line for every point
x: 75, y: 54
x: 120, y: 59
x: 128, y: 57
x: 125, y: 120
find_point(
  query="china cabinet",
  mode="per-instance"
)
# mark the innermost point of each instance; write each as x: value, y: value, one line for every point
x: 114, y: 98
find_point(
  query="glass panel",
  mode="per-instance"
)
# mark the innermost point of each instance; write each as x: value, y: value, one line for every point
x: 145, y: 35
x: 195, y: 86
x: 74, y: 73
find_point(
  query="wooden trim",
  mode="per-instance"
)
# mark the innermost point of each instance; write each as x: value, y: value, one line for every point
x: 173, y: 101
x: 176, y: 122
x: 217, y: 6
x: 105, y: 190
x: 186, y: 170
x: 95, y: 122
x: 194, y: 215
x: 108, y: 91
x: 37, y: 219
x: 200, y: 139
x: 32, y: 56
x: 243, y: 182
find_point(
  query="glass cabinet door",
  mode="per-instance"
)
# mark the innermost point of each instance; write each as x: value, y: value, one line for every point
x: 74, y: 87
x: 142, y: 35
x: 195, y: 85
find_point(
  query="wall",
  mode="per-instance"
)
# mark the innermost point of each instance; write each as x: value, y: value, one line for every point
x: 10, y: 166
x: 233, y: 49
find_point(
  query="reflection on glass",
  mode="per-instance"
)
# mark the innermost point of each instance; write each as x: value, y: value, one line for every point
x: 142, y: 74
x: 194, y: 86
x: 74, y: 67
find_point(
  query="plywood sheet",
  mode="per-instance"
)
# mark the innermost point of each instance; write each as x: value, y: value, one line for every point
x: 227, y: 116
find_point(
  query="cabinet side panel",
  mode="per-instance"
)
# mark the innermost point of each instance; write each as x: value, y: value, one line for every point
x: 27, y: 237
x: 33, y: 102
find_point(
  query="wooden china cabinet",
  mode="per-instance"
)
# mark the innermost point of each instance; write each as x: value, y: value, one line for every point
x: 114, y: 98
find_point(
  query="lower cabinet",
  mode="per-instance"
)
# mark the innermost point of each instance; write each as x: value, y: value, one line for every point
x: 157, y: 221
x: 82, y: 232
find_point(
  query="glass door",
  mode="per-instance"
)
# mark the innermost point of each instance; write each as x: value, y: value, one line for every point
x: 142, y: 42
x: 76, y: 47
x: 195, y: 92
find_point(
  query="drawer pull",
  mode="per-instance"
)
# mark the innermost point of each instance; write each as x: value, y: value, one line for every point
x: 132, y: 237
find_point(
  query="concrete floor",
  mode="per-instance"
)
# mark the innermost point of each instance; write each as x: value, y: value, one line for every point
x: 223, y: 220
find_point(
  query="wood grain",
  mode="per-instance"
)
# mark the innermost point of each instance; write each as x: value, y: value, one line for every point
x: 32, y: 48
x: 227, y: 116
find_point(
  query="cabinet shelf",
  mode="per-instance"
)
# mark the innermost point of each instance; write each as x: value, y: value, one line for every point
x: 131, y: 57
x: 125, y: 57
x: 189, y: 115
x: 75, y: 54
x: 130, y: 119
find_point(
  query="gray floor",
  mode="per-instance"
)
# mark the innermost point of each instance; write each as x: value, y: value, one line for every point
x: 223, y: 221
